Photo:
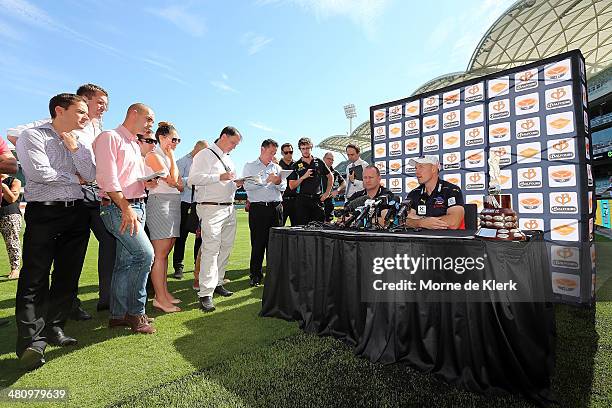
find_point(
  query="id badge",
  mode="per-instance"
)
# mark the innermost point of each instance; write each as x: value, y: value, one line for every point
x: 422, y: 210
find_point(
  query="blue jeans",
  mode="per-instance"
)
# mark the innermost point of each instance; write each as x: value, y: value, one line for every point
x: 133, y: 261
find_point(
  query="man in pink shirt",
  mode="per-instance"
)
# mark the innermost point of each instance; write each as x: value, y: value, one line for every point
x: 120, y: 175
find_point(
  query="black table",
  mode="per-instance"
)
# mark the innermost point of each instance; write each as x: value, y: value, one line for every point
x: 316, y: 277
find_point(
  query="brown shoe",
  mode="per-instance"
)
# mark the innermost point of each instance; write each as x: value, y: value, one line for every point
x: 139, y: 324
x: 123, y: 322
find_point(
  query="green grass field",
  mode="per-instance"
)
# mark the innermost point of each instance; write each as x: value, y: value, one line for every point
x: 231, y: 357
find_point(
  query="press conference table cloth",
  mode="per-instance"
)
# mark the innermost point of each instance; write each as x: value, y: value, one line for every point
x: 314, y: 278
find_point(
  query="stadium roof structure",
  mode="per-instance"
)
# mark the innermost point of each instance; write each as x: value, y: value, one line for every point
x: 359, y: 137
x: 528, y: 31
x: 531, y: 30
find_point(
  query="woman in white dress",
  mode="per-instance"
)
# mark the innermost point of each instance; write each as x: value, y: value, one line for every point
x: 164, y: 213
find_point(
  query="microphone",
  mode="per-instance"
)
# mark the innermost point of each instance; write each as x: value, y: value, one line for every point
x: 404, y: 208
x: 392, y: 208
x: 383, y: 203
x: 375, y: 209
x: 363, y: 212
x: 350, y: 220
x: 357, y: 202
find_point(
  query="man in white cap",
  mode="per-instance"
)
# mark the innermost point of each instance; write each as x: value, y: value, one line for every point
x: 435, y: 203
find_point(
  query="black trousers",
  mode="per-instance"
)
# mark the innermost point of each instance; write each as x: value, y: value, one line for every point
x: 179, y: 247
x: 53, y: 236
x: 289, y: 210
x: 328, y: 206
x: 308, y: 209
x: 261, y: 219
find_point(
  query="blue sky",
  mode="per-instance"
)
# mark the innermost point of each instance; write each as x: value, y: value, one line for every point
x: 273, y: 68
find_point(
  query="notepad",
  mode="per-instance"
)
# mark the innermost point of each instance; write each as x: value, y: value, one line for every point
x: 152, y: 176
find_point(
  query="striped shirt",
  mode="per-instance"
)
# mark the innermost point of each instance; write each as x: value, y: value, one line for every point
x: 50, y: 169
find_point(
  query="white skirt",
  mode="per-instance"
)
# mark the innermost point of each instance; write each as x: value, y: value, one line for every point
x: 164, y: 216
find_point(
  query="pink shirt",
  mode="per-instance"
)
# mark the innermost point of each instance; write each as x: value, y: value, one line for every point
x: 4, y: 146
x: 119, y: 163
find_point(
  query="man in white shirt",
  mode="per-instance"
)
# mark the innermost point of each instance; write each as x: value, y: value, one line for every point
x: 354, y: 171
x: 97, y: 104
x: 184, y: 166
x: 214, y: 175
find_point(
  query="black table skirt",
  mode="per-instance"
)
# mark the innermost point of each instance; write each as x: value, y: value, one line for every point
x: 314, y: 278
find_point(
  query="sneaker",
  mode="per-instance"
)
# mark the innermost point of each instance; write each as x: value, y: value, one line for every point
x: 206, y: 304
x: 178, y: 272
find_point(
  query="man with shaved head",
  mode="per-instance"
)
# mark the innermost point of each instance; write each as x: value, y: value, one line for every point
x: 120, y: 172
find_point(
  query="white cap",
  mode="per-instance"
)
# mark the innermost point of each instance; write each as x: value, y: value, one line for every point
x: 427, y: 159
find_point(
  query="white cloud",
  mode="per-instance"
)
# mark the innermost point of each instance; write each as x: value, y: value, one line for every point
x: 265, y: 128
x: 152, y: 61
x: 255, y: 42
x: 183, y: 19
x: 363, y: 13
x: 224, y: 76
x: 223, y: 86
x: 28, y: 13
x: 175, y: 79
x: 464, y: 31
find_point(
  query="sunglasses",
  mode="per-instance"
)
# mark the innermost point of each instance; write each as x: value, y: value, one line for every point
x: 288, y: 152
x: 146, y: 140
x: 176, y: 140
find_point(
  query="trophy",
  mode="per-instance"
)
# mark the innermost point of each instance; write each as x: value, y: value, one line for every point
x: 497, y: 220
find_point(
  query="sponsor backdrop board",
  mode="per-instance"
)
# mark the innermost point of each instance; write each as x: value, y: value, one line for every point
x: 534, y: 118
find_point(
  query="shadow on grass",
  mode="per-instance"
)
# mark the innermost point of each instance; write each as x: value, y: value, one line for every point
x: 307, y: 370
x: 88, y: 332
x: 95, y: 331
x: 10, y: 302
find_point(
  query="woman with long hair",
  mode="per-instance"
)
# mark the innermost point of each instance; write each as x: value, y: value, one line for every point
x: 164, y: 212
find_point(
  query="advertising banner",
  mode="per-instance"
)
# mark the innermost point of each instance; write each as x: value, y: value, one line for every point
x: 534, y: 118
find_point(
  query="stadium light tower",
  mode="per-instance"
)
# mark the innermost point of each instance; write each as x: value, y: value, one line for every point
x: 350, y: 112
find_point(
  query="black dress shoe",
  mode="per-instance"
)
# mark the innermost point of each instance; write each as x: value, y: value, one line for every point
x: 220, y: 290
x: 78, y: 313
x: 206, y: 304
x: 178, y: 272
x: 32, y: 358
x: 254, y: 282
x: 58, y: 338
